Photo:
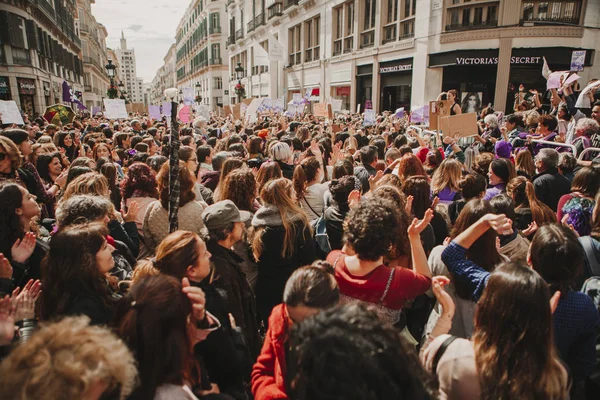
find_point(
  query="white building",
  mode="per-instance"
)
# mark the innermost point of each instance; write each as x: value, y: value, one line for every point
x: 128, y: 72
x: 164, y: 78
x: 199, y: 52
x: 397, y: 53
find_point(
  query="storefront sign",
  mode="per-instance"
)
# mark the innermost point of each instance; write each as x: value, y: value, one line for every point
x: 395, y: 68
x: 494, y: 60
x: 4, y: 86
x: 343, y: 91
x: 26, y: 86
x: 46, y: 86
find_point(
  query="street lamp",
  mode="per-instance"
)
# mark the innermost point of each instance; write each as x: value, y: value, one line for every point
x: 239, y: 73
x: 110, y: 71
x: 198, y: 90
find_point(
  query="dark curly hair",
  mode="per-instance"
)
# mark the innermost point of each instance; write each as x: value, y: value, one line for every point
x: 393, y: 194
x: 418, y: 187
x: 340, y: 190
x: 410, y: 165
x: 140, y: 179
x: 371, y: 228
x: 240, y: 187
x: 348, y: 353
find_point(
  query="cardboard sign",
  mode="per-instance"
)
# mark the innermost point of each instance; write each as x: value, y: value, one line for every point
x: 459, y: 126
x: 115, y: 108
x: 322, y: 110
x: 228, y: 110
x: 235, y: 111
x: 252, y: 111
x: 9, y: 113
x: 336, y: 105
x: 247, y: 101
x: 437, y: 109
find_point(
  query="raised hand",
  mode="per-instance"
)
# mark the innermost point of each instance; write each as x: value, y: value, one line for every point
x: 409, y: 204
x: 5, y: 268
x: 61, y: 179
x: 437, y: 286
x: 531, y: 229
x: 132, y: 212
x: 197, y: 298
x: 416, y: 226
x: 25, y: 301
x: 22, y: 249
x: 500, y: 223
x: 375, y: 178
x: 354, y: 198
x: 7, y: 321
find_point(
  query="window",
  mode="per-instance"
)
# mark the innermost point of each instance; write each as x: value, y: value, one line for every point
x: 400, y: 20
x: 217, y: 83
x: 367, y: 35
x: 294, y: 45
x: 471, y: 14
x: 390, y: 29
x: 216, y: 53
x: 343, y: 34
x: 312, y: 39
x: 552, y: 12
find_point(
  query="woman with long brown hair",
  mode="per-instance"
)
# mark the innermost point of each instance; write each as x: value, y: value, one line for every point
x: 230, y: 164
x: 524, y: 164
x: 76, y: 282
x: 240, y: 187
x: 483, y: 252
x: 281, y: 242
x: 445, y: 180
x: 268, y: 171
x: 511, y: 354
x: 528, y: 208
x: 310, y: 191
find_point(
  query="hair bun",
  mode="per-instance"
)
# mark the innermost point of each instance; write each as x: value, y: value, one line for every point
x: 324, y: 266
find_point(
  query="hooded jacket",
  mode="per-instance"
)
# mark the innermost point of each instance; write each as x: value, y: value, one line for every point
x: 268, y: 374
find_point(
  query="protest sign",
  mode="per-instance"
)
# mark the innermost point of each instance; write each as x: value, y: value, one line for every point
x: 96, y: 110
x: 322, y: 110
x: 154, y: 112
x: 278, y: 105
x: 368, y: 105
x: 188, y: 96
x: 577, y: 60
x: 115, y: 108
x: 228, y: 110
x: 458, y: 126
x: 553, y: 81
x: 166, y: 109
x: 252, y: 111
x: 369, y: 117
x: 297, y: 98
x: 204, y: 111
x: 9, y: 113
x: 235, y: 110
x: 583, y: 101
x: 417, y: 114
x: 336, y: 105
x: 400, y: 112
x: 438, y: 109
x: 184, y: 114
x: 243, y: 108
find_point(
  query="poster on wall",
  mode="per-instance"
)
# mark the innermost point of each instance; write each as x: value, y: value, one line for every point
x: 471, y: 102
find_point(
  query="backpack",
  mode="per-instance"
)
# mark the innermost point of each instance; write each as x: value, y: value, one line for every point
x: 321, y: 238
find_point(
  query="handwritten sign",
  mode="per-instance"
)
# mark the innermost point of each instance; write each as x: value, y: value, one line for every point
x: 278, y: 106
x: 437, y: 109
x: 553, y: 81
x: 577, y: 60
x: 10, y: 113
x: 322, y: 110
x: 115, y: 108
x: 297, y: 98
x: 369, y: 117
x: 458, y: 126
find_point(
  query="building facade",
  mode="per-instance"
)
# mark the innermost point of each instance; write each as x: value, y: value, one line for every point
x: 94, y: 54
x: 128, y: 72
x: 164, y: 78
x: 402, y: 53
x: 39, y: 50
x: 200, y: 46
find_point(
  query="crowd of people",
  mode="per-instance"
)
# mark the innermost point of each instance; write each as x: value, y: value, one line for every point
x: 314, y: 259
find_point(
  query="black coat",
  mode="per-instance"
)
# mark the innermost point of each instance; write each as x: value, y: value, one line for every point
x: 550, y: 186
x: 241, y: 301
x: 274, y: 269
x: 334, y: 220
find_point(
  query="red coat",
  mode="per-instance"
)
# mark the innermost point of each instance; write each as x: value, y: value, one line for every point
x: 268, y: 374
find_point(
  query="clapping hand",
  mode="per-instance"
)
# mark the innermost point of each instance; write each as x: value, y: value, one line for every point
x: 5, y: 268
x: 24, y: 302
x: 7, y: 321
x: 416, y: 226
x: 437, y: 285
x: 22, y: 249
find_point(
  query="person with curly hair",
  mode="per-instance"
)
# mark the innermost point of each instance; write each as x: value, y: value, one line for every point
x: 410, y: 165
x: 240, y: 187
x: 575, y: 208
x: 370, y: 232
x: 140, y: 186
x: 156, y: 220
x: 69, y: 360
x: 348, y: 353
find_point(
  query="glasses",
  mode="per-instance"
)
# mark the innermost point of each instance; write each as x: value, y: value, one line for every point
x: 2, y: 156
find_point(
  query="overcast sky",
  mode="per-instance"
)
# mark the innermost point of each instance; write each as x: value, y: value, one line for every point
x: 149, y: 27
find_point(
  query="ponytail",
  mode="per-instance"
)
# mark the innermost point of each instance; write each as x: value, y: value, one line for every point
x: 299, y: 180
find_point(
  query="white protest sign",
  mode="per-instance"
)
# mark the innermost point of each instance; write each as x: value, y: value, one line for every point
x: 553, y: 81
x: 278, y: 106
x: 276, y: 49
x: 204, y: 111
x: 297, y: 98
x: 583, y: 101
x: 9, y: 113
x: 577, y: 60
x: 252, y: 110
x: 115, y: 108
x: 336, y: 105
x: 369, y: 117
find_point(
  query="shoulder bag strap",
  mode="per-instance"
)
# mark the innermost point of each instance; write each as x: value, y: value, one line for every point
x: 387, y: 286
x: 590, y: 254
x: 440, y: 352
x: 308, y: 204
x: 337, y: 259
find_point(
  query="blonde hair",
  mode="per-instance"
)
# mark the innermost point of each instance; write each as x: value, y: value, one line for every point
x: 278, y: 193
x: 12, y: 152
x: 91, y: 183
x: 448, y: 174
x: 280, y: 151
x: 64, y: 360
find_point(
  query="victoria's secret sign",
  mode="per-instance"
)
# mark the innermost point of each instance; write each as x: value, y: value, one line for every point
x: 395, y: 68
x: 494, y: 60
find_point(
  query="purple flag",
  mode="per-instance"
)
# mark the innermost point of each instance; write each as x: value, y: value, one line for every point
x: 67, y: 95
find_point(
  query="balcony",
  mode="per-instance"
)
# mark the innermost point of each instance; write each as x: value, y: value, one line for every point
x: 295, y: 58
x: 84, y: 28
x: 550, y: 21
x: 239, y: 34
x: 250, y: 27
x: 214, y: 29
x: 259, y: 20
x: 230, y: 40
x: 389, y: 34
x: 216, y: 61
x: 472, y: 26
x: 289, y: 3
x: 275, y: 10
x: 21, y: 56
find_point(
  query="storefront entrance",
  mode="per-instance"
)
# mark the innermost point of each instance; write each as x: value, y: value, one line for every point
x: 27, y: 95
x: 396, y: 84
